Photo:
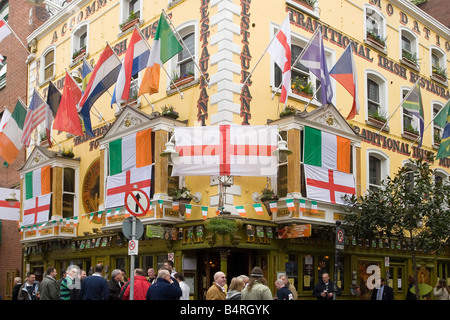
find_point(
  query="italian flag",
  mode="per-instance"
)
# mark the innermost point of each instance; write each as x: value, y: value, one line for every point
x: 326, y: 150
x: 130, y: 152
x: 37, y: 182
x: 258, y: 209
x: 165, y: 46
x: 11, y: 134
x: 290, y: 204
x: 241, y: 211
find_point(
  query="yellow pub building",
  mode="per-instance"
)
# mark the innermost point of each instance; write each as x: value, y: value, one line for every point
x: 395, y: 45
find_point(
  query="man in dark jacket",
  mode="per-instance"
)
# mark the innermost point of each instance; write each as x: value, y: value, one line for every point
x: 94, y: 287
x: 48, y: 289
x: 115, y: 285
x: 383, y: 293
x: 324, y: 290
x: 165, y: 288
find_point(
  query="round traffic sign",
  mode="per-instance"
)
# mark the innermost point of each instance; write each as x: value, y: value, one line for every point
x: 137, y: 202
x: 127, y: 226
x: 340, y: 236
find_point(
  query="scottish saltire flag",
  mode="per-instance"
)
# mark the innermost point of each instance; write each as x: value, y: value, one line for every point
x: 135, y: 60
x: 37, y: 112
x: 313, y: 57
x: 344, y: 71
x: 444, y: 147
x: 104, y: 76
x: 280, y: 51
x: 413, y: 103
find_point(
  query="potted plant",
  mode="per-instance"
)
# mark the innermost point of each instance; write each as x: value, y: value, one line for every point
x: 182, y: 195
x: 79, y: 53
x: 439, y: 72
x: 222, y: 226
x: 67, y: 152
x: 287, y: 111
x: 169, y: 111
x: 299, y: 87
x: 411, y: 130
x: 180, y: 80
x: 267, y: 196
x: 377, y: 117
x: 409, y: 58
x: 307, y: 3
x: 376, y: 39
x: 132, y: 19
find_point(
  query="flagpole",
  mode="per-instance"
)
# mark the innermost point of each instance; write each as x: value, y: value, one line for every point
x: 298, y: 58
x: 427, y: 126
x: 182, y: 42
x: 162, y: 65
x: 267, y: 48
x: 15, y: 35
x: 406, y: 97
x: 310, y: 99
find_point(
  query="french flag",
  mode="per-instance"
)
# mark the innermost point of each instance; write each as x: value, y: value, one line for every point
x: 135, y: 60
x: 104, y: 76
x: 344, y: 71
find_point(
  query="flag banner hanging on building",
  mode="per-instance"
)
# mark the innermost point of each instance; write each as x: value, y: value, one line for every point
x: 37, y: 182
x: 290, y: 204
x: 5, y: 118
x: 188, y: 210
x: 36, y: 209
x: 8, y: 212
x: 165, y: 46
x: 204, y: 212
x: 67, y: 119
x: 413, y: 103
x: 4, y: 30
x: 444, y: 146
x: 119, y: 184
x: 136, y: 58
x: 226, y: 150
x: 241, y: 211
x: 314, y: 208
x: 104, y: 76
x: 258, y: 208
x: 302, y: 205
x: 326, y: 150
x: 132, y: 151
x: 54, y: 97
x: 37, y: 112
x: 328, y: 185
x: 344, y: 71
x: 280, y: 51
x: 11, y: 135
x: 441, y: 118
x: 313, y: 57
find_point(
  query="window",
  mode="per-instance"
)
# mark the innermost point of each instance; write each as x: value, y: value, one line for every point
x: 437, y: 129
x: 185, y: 62
x: 440, y: 176
x: 48, y: 64
x: 438, y: 63
x: 4, y: 10
x: 282, y: 177
x: 409, y: 48
x: 410, y: 123
x: 80, y: 41
x: 376, y: 92
x: 378, y: 166
x: 68, y: 192
x: 130, y: 10
x: 375, y: 27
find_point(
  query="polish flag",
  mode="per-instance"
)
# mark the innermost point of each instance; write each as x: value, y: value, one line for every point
x: 4, y: 30
x: 280, y: 51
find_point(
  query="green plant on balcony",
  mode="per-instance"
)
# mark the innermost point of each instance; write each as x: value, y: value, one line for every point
x: 298, y: 86
x: 376, y: 37
x: 412, y: 57
x: 439, y: 71
x: 67, y: 152
x: 79, y: 52
x: 411, y: 129
x: 378, y: 116
x: 268, y: 194
x: 133, y: 16
x: 169, y: 111
x: 182, y: 193
x: 287, y: 111
x: 437, y: 137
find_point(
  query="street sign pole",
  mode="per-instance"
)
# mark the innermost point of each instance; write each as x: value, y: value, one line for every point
x: 339, y: 245
x: 133, y: 237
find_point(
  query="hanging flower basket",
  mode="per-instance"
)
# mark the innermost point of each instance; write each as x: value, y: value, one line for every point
x: 268, y: 196
x: 183, y: 196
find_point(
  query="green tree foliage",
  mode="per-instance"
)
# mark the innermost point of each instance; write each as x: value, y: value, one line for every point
x: 411, y: 207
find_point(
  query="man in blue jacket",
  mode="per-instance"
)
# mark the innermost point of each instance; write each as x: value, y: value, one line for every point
x: 165, y: 288
x: 94, y: 287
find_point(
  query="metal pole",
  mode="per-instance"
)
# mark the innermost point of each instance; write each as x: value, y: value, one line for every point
x: 133, y: 237
x: 336, y: 261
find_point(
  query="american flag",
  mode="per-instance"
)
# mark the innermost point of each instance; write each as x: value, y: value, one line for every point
x: 36, y: 113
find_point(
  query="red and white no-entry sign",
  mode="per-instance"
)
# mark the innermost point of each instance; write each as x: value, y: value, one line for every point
x: 137, y: 202
x: 133, y: 247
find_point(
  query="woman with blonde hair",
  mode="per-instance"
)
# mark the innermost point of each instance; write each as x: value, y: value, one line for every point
x: 234, y: 291
x: 441, y: 290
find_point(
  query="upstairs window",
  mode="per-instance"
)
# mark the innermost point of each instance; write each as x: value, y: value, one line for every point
x: 438, y: 63
x: 409, y: 48
x: 377, y: 99
x: 68, y: 192
x: 48, y: 64
x: 375, y: 28
x: 80, y: 39
x: 410, y: 122
x: 130, y: 13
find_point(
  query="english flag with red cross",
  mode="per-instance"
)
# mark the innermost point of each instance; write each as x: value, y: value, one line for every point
x: 225, y: 150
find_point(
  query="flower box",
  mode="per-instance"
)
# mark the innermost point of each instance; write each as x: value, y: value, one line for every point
x: 129, y: 24
x: 376, y: 43
x: 302, y: 93
x: 182, y: 81
x: 307, y: 4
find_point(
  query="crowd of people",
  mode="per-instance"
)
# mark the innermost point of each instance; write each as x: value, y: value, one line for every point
x: 167, y: 284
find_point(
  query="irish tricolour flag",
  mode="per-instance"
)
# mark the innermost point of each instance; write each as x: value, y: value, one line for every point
x: 132, y: 151
x: 165, y: 46
x: 37, y: 182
